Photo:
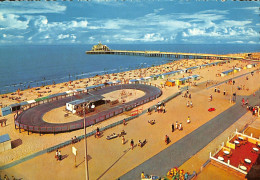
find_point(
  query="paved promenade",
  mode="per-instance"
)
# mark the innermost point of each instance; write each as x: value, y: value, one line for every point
x: 176, y: 154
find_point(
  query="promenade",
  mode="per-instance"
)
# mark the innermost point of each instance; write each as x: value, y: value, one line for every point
x: 179, y: 152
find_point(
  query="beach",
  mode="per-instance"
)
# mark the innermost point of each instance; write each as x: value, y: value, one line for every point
x: 137, y: 128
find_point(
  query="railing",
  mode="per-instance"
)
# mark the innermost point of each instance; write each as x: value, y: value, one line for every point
x: 79, y: 125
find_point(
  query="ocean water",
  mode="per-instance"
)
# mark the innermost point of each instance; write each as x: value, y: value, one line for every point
x: 26, y: 65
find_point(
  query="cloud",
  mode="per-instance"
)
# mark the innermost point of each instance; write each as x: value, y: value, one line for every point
x: 153, y: 37
x: 31, y: 7
x: 11, y: 37
x: 12, y: 21
x: 251, y: 9
x: 66, y: 36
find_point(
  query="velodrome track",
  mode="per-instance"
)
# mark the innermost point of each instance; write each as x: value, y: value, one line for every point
x: 31, y: 119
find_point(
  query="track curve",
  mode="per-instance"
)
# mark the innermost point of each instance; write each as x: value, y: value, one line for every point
x: 31, y: 119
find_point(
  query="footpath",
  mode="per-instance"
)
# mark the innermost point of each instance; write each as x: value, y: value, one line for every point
x: 179, y: 152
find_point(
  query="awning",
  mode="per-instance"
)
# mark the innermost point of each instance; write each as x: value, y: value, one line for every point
x: 23, y: 103
x: 4, y: 138
x: 31, y: 101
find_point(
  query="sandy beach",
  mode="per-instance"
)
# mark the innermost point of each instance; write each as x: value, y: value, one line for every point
x: 136, y: 129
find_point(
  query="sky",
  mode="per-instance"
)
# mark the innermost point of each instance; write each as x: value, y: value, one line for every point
x: 129, y: 22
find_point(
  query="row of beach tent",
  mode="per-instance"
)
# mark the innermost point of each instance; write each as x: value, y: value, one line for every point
x: 17, y: 106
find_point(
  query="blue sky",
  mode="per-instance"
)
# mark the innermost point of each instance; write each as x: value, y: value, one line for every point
x: 137, y: 22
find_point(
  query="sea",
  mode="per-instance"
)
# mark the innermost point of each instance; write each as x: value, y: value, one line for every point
x: 26, y: 66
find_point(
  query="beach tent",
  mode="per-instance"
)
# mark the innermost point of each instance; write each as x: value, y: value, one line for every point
x: 147, y: 79
x: 108, y: 83
x: 133, y: 81
x: 31, y: 101
x: 6, y: 110
x: 170, y: 83
x: 195, y: 77
x: 155, y: 77
x: 183, y: 80
x: 249, y: 66
x: 177, y: 82
x: 69, y: 93
x: 5, y: 143
x: 237, y: 70
x: 224, y: 73
x: 15, y: 107
x: 23, y: 103
x: 164, y: 75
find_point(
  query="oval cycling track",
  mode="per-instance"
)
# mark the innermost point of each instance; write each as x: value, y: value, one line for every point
x: 31, y: 119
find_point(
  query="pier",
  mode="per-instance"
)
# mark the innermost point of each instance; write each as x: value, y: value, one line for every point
x: 103, y: 49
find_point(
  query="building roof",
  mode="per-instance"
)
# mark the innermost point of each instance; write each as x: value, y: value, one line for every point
x: 87, y: 99
x: 4, y: 138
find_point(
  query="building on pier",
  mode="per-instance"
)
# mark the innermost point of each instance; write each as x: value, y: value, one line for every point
x: 100, y: 47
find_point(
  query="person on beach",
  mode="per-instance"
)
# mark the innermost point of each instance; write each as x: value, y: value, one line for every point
x: 190, y: 96
x: 167, y: 139
x: 191, y: 105
x: 123, y: 140
x: 224, y: 92
x: 188, y: 120
x: 57, y: 155
x: 132, y: 144
x: 188, y: 103
x: 176, y: 125
x: 247, y: 102
x: 243, y: 102
x: 172, y: 127
x: 180, y: 127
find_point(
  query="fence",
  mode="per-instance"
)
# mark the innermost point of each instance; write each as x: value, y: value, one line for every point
x: 89, y: 120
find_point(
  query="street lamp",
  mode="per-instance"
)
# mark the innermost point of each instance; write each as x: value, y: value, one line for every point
x: 85, y: 139
x: 231, y: 100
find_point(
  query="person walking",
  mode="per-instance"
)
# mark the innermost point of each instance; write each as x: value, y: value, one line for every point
x: 59, y: 155
x: 224, y: 92
x: 191, y: 105
x: 176, y: 125
x: 188, y: 103
x: 132, y: 144
x: 243, y: 102
x: 172, y: 127
x: 123, y: 140
x: 188, y: 120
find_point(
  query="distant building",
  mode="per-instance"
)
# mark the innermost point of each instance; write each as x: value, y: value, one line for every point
x: 100, y: 47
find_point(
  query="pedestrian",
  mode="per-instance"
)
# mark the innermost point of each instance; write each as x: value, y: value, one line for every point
x: 243, y: 102
x: 123, y: 140
x: 247, y: 102
x: 176, y: 125
x: 172, y: 127
x: 57, y: 155
x: 191, y: 105
x: 224, y: 92
x: 132, y: 144
x: 190, y: 96
x: 187, y: 91
x: 188, y: 103
x: 180, y: 127
x: 188, y: 120
x: 215, y: 89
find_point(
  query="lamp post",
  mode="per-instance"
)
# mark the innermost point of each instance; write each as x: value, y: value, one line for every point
x: 231, y: 100
x: 85, y: 140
